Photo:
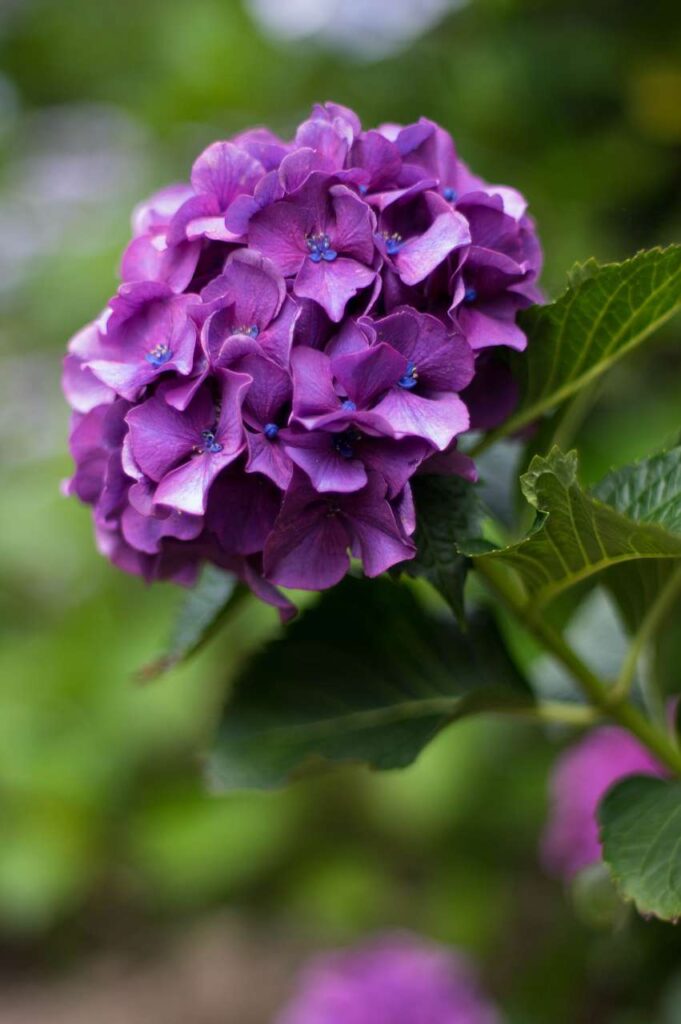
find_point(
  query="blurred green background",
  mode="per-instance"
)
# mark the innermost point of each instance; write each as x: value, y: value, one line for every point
x: 110, y: 852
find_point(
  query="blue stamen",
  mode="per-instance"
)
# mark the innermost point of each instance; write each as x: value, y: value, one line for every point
x: 393, y: 243
x: 344, y: 444
x: 252, y: 332
x: 470, y: 295
x: 209, y: 442
x: 320, y: 248
x: 349, y: 405
x: 410, y: 378
x: 271, y: 430
x: 362, y: 189
x: 158, y: 355
x: 450, y: 194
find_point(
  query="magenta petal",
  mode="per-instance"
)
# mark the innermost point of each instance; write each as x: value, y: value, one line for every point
x: 437, y: 419
x: 186, y: 488
x: 313, y: 390
x: 332, y: 285
x: 485, y: 331
x: 253, y: 287
x: 279, y: 232
x: 82, y: 389
x: 161, y: 437
x: 225, y: 171
x: 422, y: 254
x: 145, y: 532
x: 353, y: 234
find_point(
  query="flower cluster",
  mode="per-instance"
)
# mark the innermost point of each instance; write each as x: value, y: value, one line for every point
x: 299, y: 330
x: 581, y: 777
x: 394, y: 980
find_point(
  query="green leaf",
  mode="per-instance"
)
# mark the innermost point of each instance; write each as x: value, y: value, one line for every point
x: 640, y: 822
x: 576, y: 535
x: 367, y: 675
x: 448, y: 512
x: 201, y: 614
x: 606, y: 311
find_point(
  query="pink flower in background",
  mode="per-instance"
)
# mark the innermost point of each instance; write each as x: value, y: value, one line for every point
x: 581, y: 777
x: 396, y: 979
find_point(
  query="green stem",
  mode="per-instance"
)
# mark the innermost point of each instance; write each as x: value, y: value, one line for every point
x: 597, y: 691
x: 558, y: 712
x: 653, y: 618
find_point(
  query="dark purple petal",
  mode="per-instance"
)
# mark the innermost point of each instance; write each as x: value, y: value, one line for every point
x: 366, y: 376
x: 326, y: 458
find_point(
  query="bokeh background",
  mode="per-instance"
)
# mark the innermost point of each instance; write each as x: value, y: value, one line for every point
x: 126, y: 893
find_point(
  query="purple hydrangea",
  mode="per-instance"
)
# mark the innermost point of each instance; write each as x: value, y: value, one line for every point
x: 299, y: 330
x: 581, y: 777
x: 397, y: 979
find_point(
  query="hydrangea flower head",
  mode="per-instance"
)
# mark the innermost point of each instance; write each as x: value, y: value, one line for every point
x: 581, y: 777
x: 395, y: 980
x: 299, y: 329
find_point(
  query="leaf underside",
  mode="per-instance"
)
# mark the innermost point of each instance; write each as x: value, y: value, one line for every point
x: 200, y: 615
x: 448, y: 511
x: 367, y: 675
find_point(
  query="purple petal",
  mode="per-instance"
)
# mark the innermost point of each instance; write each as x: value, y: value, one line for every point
x: 270, y: 458
x: 241, y: 511
x: 375, y: 529
x: 161, y: 437
x: 279, y: 232
x: 313, y: 390
x: 253, y: 287
x: 353, y: 233
x: 437, y: 419
x: 317, y: 454
x: 332, y: 285
x: 419, y: 256
x: 82, y: 389
x: 225, y: 172
x: 308, y: 547
x: 366, y: 376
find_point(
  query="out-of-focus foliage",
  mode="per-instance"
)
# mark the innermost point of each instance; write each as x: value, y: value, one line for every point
x: 101, y: 812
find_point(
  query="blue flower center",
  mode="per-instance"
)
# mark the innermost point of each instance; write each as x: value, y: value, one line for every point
x: 271, y: 431
x: 345, y: 443
x: 158, y: 355
x: 410, y: 378
x: 348, y: 405
x: 393, y: 243
x: 362, y: 189
x: 320, y: 248
x: 252, y: 332
x: 470, y: 295
x: 209, y: 442
x: 450, y: 193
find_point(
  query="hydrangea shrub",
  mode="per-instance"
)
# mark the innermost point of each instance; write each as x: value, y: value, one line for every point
x: 329, y: 356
